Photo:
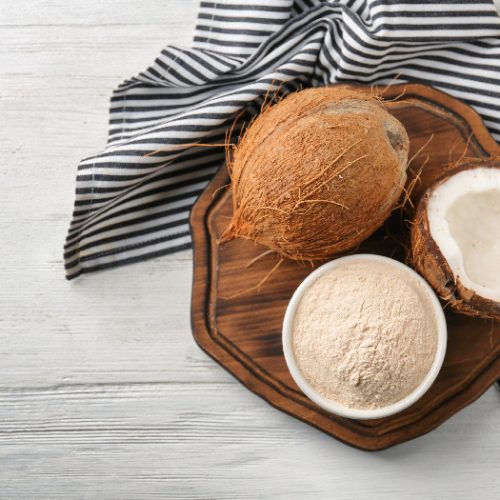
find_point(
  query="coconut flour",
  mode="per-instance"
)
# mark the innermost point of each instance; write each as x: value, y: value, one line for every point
x: 365, y: 334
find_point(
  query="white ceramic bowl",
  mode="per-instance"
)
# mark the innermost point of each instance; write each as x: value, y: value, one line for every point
x: 332, y: 406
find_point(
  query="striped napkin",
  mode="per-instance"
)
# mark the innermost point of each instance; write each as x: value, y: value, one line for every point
x: 133, y: 198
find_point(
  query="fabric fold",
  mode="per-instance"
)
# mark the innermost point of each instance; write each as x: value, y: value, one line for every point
x: 133, y: 198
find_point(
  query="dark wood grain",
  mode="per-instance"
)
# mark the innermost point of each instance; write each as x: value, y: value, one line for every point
x: 244, y: 333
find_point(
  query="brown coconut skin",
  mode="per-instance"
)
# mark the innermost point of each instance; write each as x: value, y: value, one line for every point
x: 293, y: 189
x: 428, y: 260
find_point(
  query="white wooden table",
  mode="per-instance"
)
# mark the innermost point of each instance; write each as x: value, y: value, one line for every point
x: 103, y: 392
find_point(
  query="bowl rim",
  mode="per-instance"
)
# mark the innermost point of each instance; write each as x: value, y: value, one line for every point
x: 332, y: 406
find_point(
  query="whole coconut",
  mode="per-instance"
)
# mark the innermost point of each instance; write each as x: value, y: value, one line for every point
x: 317, y: 173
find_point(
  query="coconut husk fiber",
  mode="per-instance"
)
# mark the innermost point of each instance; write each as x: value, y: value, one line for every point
x: 317, y: 173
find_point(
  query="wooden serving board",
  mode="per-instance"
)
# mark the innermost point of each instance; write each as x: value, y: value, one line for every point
x: 243, y: 334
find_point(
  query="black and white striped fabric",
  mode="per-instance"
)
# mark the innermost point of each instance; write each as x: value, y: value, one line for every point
x: 133, y: 199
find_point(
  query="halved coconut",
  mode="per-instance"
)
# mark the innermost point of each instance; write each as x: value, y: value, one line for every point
x: 456, y: 239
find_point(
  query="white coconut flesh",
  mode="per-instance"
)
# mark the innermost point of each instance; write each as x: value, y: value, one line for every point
x: 464, y: 221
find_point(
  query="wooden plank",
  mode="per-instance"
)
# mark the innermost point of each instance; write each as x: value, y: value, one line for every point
x: 103, y: 392
x: 218, y: 440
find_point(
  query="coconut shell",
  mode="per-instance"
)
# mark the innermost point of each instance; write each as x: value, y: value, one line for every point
x: 317, y: 173
x: 428, y: 260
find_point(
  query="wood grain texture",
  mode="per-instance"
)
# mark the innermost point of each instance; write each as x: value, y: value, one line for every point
x: 240, y: 326
x: 103, y: 392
